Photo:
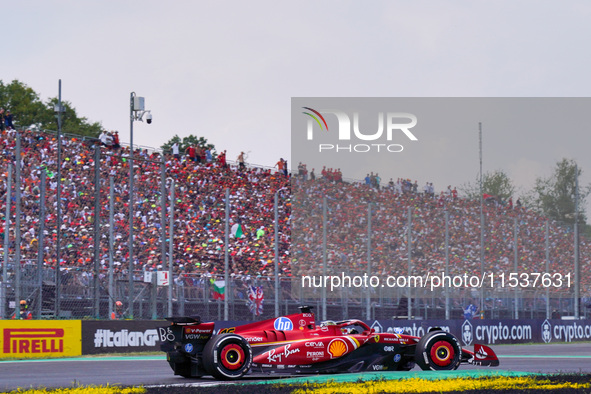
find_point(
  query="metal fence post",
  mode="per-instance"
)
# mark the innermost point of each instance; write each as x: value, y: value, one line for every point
x: 97, y: 229
x: 154, y: 288
x: 346, y: 298
x: 17, y: 246
x: 111, y: 224
x: 163, y: 259
x: 276, y: 255
x: 446, y: 288
x: 131, y: 203
x: 577, y: 279
x: 40, y: 245
x: 481, y: 219
x: 409, y: 240
x: 548, y: 315
x: 226, y: 261
x: 182, y: 299
x: 4, y: 288
x: 170, y: 257
x: 515, y: 268
x: 58, y: 220
x: 368, y: 289
x: 324, y: 257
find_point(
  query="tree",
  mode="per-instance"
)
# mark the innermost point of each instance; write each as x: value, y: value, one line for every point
x: 28, y: 109
x: 555, y: 196
x: 23, y: 102
x: 496, y: 183
x: 186, y: 141
x: 71, y: 123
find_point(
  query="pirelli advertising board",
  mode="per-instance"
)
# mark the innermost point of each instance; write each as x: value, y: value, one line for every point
x: 40, y: 338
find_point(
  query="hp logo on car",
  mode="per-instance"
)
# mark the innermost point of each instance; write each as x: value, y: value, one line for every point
x: 283, y: 324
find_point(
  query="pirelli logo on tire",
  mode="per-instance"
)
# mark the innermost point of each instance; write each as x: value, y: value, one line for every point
x: 33, y: 339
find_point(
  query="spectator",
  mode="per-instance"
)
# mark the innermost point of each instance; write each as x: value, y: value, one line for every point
x: 191, y: 153
x: 118, y: 312
x: 175, y: 150
x: 241, y: 161
x: 8, y: 121
x: 281, y: 166
x: 24, y: 313
x: 198, y: 152
x: 116, y: 143
x: 2, y: 120
x: 222, y: 159
x: 103, y: 138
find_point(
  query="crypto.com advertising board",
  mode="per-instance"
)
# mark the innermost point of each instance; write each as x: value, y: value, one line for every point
x: 370, y: 174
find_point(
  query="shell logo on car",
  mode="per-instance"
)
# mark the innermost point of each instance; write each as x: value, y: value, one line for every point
x: 337, y: 347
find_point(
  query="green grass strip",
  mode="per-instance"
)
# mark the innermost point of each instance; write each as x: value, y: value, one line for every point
x: 426, y: 375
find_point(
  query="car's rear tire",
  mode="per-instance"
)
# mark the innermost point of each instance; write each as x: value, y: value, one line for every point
x: 438, y: 351
x: 227, y: 356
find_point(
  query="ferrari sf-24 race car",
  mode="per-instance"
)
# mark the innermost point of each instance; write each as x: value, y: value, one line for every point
x: 294, y: 344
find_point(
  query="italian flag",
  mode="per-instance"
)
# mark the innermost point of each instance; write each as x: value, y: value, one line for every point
x: 236, y: 231
x: 219, y: 289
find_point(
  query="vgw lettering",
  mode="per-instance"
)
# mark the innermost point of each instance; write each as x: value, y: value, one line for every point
x: 391, y: 126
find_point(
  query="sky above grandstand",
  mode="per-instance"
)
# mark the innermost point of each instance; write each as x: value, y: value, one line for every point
x: 227, y: 70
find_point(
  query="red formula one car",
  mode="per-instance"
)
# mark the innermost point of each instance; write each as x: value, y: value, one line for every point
x: 295, y: 344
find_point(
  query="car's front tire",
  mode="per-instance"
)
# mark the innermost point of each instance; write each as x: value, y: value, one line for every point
x: 438, y: 351
x: 227, y: 356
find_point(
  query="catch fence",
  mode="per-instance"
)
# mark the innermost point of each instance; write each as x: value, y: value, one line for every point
x: 200, y: 230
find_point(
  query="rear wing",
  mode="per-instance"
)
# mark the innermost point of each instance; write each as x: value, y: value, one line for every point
x: 182, y: 320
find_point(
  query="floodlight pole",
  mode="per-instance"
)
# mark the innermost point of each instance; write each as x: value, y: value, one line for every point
x: 577, y: 266
x: 130, y: 269
x: 226, y: 257
x: 481, y: 221
x: 59, y: 202
x: 136, y: 112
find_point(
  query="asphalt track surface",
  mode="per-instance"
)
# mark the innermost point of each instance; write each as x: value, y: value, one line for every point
x: 154, y: 370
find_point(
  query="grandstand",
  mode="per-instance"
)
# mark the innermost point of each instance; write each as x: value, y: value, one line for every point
x: 199, y: 230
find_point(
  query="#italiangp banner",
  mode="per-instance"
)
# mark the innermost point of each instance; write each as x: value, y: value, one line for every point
x: 40, y: 338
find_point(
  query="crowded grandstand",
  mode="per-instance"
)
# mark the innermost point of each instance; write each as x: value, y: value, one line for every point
x: 199, y: 218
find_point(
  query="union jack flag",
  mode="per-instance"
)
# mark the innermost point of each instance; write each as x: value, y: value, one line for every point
x: 255, y: 300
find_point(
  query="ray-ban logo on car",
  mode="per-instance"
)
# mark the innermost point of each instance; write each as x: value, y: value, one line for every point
x: 390, y: 126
